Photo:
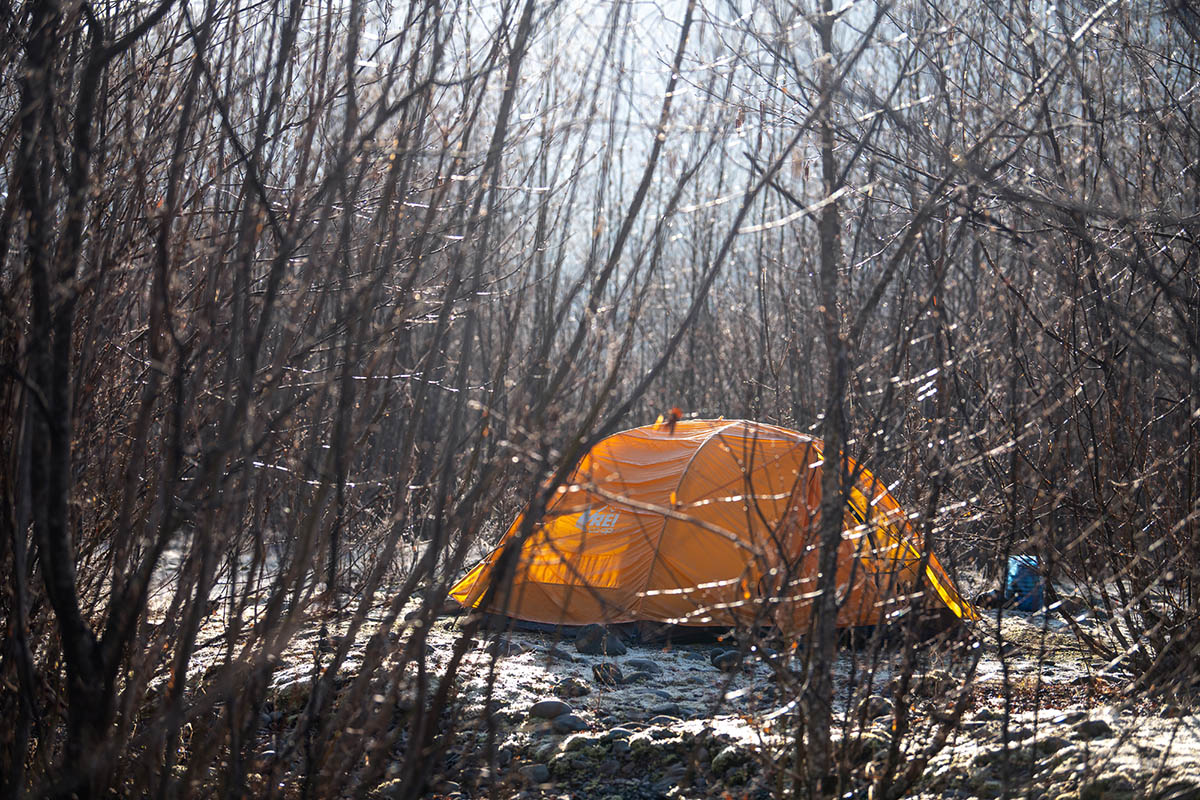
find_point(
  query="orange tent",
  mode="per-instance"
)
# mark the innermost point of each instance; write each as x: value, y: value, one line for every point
x: 708, y: 522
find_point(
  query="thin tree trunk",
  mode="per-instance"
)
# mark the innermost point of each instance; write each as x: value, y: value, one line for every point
x: 833, y: 431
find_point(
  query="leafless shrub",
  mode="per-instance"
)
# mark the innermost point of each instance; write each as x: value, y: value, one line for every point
x: 303, y: 302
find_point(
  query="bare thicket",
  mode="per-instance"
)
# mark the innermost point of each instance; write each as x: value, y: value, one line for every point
x: 303, y: 302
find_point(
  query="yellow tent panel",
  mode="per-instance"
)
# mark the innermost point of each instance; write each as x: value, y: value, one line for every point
x: 708, y: 522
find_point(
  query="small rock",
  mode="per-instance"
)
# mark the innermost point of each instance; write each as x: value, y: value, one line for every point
x: 663, y: 719
x: 873, y: 743
x: 616, y: 733
x: 292, y: 697
x: 572, y: 687
x: 1072, y: 766
x: 1114, y: 786
x: 620, y: 747
x: 727, y: 759
x: 669, y: 781
x: 1094, y: 729
x: 1179, y: 790
x: 667, y: 709
x: 990, y: 789
x: 875, y: 706
x: 1051, y: 744
x: 549, y: 709
x: 569, y: 723
x: 578, y: 742
x: 546, y: 751
x: 607, y: 674
x: 988, y: 714
x: 504, y: 756
x: 596, y: 640
x: 636, y: 677
x: 1017, y: 734
x: 1148, y: 752
x: 935, y: 683
x: 1064, y: 755
x: 727, y: 661
x: 535, y: 773
x: 558, y: 654
x: 644, y: 665
x: 506, y: 648
x: 1070, y: 718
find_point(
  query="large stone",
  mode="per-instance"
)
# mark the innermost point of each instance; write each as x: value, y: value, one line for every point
x: 616, y: 733
x: 644, y: 665
x: 636, y: 677
x: 569, y: 723
x: 549, y: 709
x: 728, y: 759
x: 596, y: 640
x: 727, y: 661
x: 1093, y: 729
x: 535, y: 773
x: 572, y: 687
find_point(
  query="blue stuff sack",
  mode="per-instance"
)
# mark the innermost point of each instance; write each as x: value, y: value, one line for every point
x: 1024, y: 585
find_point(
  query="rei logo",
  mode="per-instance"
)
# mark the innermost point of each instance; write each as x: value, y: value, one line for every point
x: 599, y: 520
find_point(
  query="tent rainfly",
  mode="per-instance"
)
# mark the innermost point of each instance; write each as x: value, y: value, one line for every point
x: 709, y: 523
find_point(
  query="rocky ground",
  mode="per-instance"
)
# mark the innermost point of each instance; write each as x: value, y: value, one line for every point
x: 599, y: 718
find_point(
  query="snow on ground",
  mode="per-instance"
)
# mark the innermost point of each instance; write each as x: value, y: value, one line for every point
x: 690, y: 729
x: 1043, y: 717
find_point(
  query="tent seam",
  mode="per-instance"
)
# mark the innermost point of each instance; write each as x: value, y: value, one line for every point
x: 667, y: 520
